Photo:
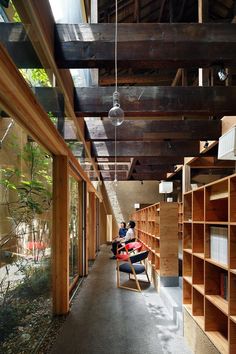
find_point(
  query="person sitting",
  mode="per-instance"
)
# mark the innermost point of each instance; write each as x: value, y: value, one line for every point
x: 129, y: 237
x: 122, y: 229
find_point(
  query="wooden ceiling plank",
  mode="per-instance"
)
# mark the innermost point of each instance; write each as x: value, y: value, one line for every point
x: 145, y: 45
x: 154, y: 130
x: 159, y: 100
x: 144, y: 149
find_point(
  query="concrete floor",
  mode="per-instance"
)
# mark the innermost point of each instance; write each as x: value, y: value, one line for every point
x: 108, y: 320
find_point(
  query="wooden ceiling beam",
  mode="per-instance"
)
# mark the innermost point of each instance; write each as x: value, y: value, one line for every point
x: 148, y: 176
x: 159, y: 100
x: 144, y: 149
x: 145, y: 45
x: 153, y: 169
x: 16, y: 40
x: 154, y: 130
x: 143, y: 79
x: 161, y: 160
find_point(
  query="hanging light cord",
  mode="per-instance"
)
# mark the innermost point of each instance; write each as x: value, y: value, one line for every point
x: 115, y: 156
x: 116, y: 47
x: 116, y: 20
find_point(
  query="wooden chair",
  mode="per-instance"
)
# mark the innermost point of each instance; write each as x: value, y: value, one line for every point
x: 133, y: 267
x: 127, y: 249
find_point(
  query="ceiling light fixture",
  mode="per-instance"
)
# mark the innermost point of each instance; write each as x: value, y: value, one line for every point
x: 222, y: 74
x: 116, y: 113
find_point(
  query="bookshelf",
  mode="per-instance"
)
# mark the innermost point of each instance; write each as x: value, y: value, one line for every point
x: 209, y: 260
x: 157, y: 229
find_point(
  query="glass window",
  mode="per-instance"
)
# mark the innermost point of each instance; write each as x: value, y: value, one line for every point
x: 25, y: 239
x: 73, y: 230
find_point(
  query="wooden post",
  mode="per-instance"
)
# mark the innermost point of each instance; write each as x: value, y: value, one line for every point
x: 60, y: 236
x: 92, y: 227
x: 83, y: 252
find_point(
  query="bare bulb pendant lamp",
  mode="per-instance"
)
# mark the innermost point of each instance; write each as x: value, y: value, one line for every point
x: 116, y: 113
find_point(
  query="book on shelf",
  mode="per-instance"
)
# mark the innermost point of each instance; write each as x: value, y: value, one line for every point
x: 224, y: 286
x: 219, y: 244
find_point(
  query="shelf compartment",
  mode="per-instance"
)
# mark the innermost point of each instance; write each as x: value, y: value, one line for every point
x: 187, y: 238
x: 216, y: 326
x: 216, y: 283
x: 232, y: 336
x: 222, y: 266
x: 219, y: 302
x: 198, y: 205
x: 187, y: 264
x: 188, y: 207
x: 198, y: 270
x: 232, y: 294
x: 219, y: 341
x: 216, y: 244
x: 187, y: 292
x: 232, y: 241
x: 232, y: 199
x: 198, y: 303
x: 198, y: 238
x: 216, y: 205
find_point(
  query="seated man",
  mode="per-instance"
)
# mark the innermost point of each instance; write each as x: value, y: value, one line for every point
x: 129, y: 237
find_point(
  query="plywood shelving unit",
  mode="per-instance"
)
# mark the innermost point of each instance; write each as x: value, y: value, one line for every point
x: 209, y: 285
x: 157, y: 229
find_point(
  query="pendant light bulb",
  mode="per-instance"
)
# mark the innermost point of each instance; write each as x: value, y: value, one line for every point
x: 116, y: 113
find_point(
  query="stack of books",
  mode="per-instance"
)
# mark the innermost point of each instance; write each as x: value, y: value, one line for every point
x: 219, y: 244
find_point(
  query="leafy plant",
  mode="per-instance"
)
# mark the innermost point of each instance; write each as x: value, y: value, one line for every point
x: 9, y: 319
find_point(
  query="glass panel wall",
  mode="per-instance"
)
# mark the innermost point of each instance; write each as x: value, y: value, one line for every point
x: 25, y: 239
x: 73, y: 229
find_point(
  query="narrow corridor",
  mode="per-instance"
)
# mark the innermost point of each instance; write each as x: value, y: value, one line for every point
x: 108, y: 320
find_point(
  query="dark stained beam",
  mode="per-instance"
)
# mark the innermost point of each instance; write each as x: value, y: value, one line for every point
x: 137, y: 149
x: 148, y: 176
x: 211, y: 162
x: 153, y: 169
x: 141, y: 45
x: 161, y: 160
x: 154, y: 130
x: 159, y: 100
x: 15, y: 39
x: 143, y: 79
x: 51, y: 99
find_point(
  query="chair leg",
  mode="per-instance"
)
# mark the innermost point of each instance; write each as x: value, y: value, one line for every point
x: 147, y: 275
x: 136, y: 279
x: 117, y: 274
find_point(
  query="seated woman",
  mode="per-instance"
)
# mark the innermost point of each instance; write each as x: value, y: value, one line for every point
x: 122, y: 229
x: 129, y: 237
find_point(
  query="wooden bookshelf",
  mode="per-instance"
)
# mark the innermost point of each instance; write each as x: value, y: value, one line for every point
x: 209, y: 283
x: 157, y: 229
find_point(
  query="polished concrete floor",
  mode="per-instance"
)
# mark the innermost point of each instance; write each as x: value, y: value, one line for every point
x: 107, y: 320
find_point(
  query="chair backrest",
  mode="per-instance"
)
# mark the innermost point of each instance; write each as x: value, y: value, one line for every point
x: 139, y: 257
x: 135, y: 246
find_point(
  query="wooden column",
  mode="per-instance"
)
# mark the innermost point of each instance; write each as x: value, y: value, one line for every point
x: 92, y: 227
x: 83, y: 247
x: 60, y: 236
